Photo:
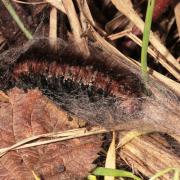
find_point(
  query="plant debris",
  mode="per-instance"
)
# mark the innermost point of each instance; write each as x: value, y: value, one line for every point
x: 28, y: 114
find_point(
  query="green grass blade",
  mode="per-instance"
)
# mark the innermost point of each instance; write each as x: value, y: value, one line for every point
x: 100, y: 171
x: 146, y: 33
x: 16, y: 18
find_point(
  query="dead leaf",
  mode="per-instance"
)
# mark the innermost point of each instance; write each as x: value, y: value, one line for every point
x: 30, y: 113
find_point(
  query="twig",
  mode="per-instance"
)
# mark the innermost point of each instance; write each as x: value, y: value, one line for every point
x: 16, y: 18
x: 120, y: 34
x: 102, y: 42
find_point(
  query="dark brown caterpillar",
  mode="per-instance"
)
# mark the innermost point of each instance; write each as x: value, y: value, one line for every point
x: 93, y: 89
x: 81, y: 85
x: 86, y: 76
x: 88, y: 88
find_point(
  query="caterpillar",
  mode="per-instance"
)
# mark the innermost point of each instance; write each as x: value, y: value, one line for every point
x: 93, y: 88
x: 86, y: 87
x: 73, y: 79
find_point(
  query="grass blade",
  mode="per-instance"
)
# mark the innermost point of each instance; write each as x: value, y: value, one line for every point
x: 100, y: 171
x: 146, y: 35
x: 16, y: 18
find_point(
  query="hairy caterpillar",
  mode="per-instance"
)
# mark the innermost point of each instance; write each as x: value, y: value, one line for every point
x: 92, y: 88
x: 79, y: 76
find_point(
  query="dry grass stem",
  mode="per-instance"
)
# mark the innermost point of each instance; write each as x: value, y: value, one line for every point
x: 57, y: 4
x: 87, y: 14
x: 86, y: 11
x: 116, y: 22
x: 57, y: 137
x: 149, y: 154
x: 120, y: 34
x: 173, y: 85
x: 125, y: 138
x: 16, y: 18
x: 108, y: 48
x: 76, y: 27
x: 30, y: 3
x: 177, y: 15
x: 53, y: 28
x: 2, y: 41
x: 111, y: 157
x: 83, y: 21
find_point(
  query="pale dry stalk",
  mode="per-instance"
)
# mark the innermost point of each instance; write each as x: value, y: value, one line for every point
x: 53, y: 28
x: 76, y: 27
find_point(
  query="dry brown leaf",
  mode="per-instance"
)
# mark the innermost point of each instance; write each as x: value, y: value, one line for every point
x: 30, y: 113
